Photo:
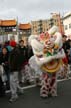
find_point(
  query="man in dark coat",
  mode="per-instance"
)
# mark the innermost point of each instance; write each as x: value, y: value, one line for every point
x: 25, y: 54
x: 14, y: 65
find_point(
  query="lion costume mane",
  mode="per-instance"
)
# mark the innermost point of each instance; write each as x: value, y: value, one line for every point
x: 47, y: 49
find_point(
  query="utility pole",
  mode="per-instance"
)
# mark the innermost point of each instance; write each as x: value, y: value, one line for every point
x: 2, y: 31
x: 2, y: 34
x: 17, y: 29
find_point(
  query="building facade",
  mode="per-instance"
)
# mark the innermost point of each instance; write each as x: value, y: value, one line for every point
x: 67, y: 24
x: 44, y: 25
x: 39, y: 26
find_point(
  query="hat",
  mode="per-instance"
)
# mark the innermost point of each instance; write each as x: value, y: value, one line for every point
x: 12, y: 43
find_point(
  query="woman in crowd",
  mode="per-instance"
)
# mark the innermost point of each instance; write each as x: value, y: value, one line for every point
x: 4, y: 56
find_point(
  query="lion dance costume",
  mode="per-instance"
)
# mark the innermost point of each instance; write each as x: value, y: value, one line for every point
x: 48, y: 53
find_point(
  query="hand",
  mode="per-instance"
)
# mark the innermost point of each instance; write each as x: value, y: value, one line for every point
x: 3, y: 64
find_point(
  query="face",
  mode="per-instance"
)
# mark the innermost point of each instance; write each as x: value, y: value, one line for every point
x: 49, y: 43
x: 4, y: 51
x: 64, y: 39
x: 21, y: 44
x: 43, y: 37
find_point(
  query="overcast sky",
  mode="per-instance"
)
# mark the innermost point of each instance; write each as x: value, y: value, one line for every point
x: 28, y: 10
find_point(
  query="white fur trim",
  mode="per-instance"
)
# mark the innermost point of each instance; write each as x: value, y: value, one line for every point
x: 37, y: 47
x: 58, y: 40
x: 53, y: 30
x: 41, y: 61
x: 31, y: 38
x: 59, y: 55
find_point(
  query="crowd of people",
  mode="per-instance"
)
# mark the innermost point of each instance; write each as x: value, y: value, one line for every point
x: 13, y: 59
x: 14, y: 63
x: 67, y: 60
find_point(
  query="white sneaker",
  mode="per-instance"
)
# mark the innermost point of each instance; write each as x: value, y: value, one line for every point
x: 13, y: 98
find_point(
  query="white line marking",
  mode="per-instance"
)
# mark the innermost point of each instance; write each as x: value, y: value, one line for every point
x: 63, y: 79
x: 27, y: 87
x: 31, y: 86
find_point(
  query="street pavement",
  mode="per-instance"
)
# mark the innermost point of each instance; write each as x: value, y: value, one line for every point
x: 32, y: 99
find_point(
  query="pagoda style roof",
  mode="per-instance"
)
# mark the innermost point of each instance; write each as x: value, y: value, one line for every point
x: 24, y: 26
x: 6, y: 23
x: 0, y: 22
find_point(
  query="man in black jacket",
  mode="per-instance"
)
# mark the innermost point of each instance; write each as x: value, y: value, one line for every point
x: 14, y: 66
x: 25, y: 54
x: 66, y: 46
